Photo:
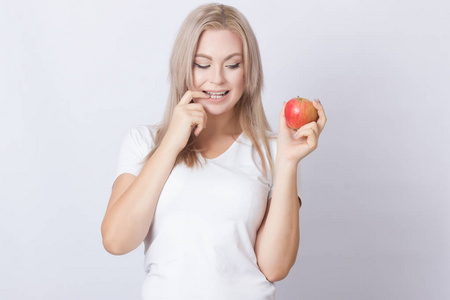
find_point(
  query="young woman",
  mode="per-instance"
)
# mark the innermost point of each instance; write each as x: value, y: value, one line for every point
x: 210, y: 192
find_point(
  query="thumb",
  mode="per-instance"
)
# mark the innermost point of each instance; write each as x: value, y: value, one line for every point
x: 283, y: 125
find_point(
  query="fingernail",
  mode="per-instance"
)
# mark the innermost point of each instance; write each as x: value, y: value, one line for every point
x: 317, y: 100
x: 295, y: 134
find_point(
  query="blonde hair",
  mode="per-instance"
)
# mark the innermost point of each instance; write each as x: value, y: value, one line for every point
x: 249, y: 111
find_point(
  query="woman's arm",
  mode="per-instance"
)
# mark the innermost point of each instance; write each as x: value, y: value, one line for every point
x: 134, y: 199
x: 278, y: 237
x: 133, y: 203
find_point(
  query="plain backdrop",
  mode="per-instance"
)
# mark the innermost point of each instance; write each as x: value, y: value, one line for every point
x: 75, y: 76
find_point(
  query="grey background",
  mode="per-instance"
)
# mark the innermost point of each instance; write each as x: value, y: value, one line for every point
x: 76, y: 75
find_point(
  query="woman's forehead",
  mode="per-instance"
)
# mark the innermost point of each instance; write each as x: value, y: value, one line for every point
x: 219, y: 44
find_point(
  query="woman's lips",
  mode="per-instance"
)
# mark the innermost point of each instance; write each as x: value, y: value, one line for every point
x: 216, y: 95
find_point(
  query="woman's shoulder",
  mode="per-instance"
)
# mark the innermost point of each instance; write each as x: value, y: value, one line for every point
x: 143, y: 135
x: 143, y: 130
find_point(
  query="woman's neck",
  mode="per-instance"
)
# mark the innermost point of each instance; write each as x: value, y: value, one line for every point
x: 220, y: 125
x: 219, y: 134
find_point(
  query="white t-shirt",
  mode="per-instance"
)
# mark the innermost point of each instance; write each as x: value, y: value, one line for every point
x: 201, y: 242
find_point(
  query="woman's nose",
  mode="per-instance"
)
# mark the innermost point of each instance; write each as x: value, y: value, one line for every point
x: 217, y: 77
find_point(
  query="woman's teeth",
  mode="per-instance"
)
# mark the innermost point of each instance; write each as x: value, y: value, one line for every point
x: 216, y: 95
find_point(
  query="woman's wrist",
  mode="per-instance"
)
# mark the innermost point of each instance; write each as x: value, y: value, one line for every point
x: 283, y: 163
x: 285, y: 169
x: 168, y: 149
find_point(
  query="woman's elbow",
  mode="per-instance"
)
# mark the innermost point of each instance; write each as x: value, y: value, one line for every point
x: 112, y: 244
x: 275, y: 272
x: 113, y: 248
x: 276, y: 276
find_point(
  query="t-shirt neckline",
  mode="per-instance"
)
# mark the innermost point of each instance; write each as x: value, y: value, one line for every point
x: 226, y: 151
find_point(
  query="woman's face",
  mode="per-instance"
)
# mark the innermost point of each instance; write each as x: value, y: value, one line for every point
x: 218, y: 70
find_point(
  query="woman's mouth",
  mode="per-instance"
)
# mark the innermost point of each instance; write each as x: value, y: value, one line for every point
x: 216, y: 95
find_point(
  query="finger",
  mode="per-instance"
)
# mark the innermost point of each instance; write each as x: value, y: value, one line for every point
x: 198, y: 129
x: 304, y: 132
x: 197, y: 115
x: 189, y: 95
x: 199, y: 94
x: 321, y: 112
x: 282, y: 111
x: 199, y: 123
x: 311, y: 125
x: 310, y: 135
x: 283, y: 124
x: 196, y: 107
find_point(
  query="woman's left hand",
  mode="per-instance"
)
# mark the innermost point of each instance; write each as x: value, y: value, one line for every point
x: 295, y: 145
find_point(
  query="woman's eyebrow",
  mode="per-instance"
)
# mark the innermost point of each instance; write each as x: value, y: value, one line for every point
x: 226, y: 58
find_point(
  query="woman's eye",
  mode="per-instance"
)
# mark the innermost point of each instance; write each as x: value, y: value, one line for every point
x: 202, y: 66
x: 235, y: 66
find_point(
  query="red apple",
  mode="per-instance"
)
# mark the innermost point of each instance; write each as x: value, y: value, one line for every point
x: 298, y: 112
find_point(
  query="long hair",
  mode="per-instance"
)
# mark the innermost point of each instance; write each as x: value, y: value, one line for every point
x: 248, y: 110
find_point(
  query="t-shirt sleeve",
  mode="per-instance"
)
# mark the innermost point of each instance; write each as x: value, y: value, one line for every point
x: 136, y: 144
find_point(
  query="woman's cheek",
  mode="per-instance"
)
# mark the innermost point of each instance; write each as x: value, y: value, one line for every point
x: 199, y: 80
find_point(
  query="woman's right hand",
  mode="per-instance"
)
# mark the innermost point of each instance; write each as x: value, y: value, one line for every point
x: 186, y: 116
